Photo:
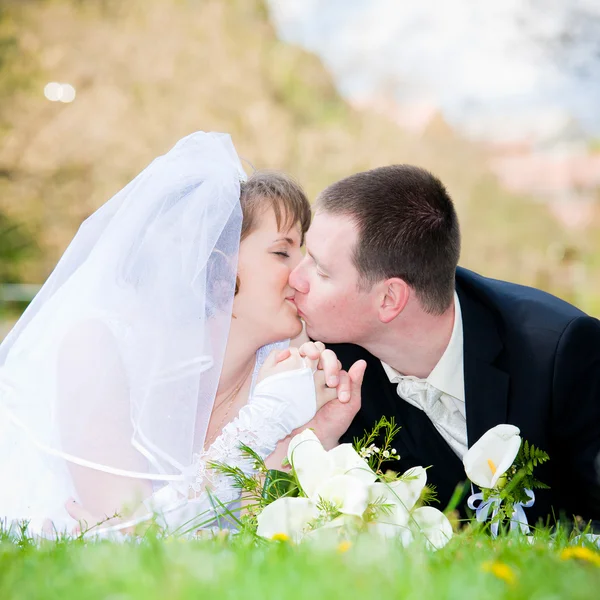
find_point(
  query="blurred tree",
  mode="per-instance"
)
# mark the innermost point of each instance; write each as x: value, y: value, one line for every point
x: 148, y: 73
x: 16, y: 245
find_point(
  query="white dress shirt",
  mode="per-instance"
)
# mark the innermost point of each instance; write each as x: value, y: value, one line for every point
x: 442, y: 395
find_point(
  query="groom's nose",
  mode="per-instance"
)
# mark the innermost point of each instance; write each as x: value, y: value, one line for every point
x: 298, y: 279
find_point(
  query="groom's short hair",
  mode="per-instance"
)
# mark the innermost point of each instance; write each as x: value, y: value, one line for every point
x: 407, y: 228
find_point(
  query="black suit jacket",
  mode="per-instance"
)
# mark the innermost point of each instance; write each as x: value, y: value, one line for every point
x: 530, y: 360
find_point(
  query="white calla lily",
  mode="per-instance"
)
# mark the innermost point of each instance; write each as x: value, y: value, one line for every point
x: 400, y: 497
x: 349, y: 494
x: 396, y: 512
x: 287, y: 517
x: 310, y: 461
x: 492, y: 455
x: 347, y: 461
x: 315, y: 467
x: 432, y: 524
x: 345, y: 521
x: 391, y: 531
x: 410, y: 486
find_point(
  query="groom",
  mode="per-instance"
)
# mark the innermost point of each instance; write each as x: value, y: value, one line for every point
x: 449, y: 353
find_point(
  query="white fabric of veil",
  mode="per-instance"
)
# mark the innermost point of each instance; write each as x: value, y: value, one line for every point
x: 115, y: 364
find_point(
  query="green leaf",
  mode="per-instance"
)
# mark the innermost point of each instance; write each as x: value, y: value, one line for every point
x: 278, y: 484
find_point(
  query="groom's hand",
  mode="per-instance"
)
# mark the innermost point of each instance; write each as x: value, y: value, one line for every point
x: 333, y: 420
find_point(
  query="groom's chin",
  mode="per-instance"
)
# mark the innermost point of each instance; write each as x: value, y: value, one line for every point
x: 317, y: 336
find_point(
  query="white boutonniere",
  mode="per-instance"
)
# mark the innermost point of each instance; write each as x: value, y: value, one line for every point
x: 502, y: 465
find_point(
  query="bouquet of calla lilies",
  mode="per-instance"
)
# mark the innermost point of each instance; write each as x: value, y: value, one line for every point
x: 344, y: 492
x: 341, y: 492
x: 338, y: 489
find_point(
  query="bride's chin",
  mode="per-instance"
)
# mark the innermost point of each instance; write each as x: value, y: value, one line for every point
x: 294, y: 329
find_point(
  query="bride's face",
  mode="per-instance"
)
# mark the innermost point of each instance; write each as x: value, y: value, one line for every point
x: 264, y: 305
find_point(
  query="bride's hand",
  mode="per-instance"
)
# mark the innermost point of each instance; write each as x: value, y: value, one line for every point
x: 280, y: 361
x: 330, y: 367
x: 86, y: 521
x: 290, y: 359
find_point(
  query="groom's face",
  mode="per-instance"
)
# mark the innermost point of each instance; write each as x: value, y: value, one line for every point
x: 326, y: 282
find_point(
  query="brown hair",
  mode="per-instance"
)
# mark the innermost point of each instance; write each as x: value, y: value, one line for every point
x: 278, y: 191
x: 407, y: 228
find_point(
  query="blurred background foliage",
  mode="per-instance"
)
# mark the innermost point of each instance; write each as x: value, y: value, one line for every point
x: 148, y: 72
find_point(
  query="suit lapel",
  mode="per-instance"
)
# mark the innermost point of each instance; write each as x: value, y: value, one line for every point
x: 486, y: 386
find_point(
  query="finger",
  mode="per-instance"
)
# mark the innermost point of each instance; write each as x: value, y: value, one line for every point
x: 293, y: 360
x: 78, y: 513
x: 48, y: 528
x: 275, y: 357
x: 282, y: 355
x: 356, y: 374
x: 329, y: 364
x: 312, y: 364
x: 327, y: 395
x: 73, y: 508
x: 311, y: 350
x: 344, y: 389
x: 324, y: 393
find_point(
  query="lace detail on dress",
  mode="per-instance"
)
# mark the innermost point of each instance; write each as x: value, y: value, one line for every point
x: 252, y: 428
x: 260, y: 429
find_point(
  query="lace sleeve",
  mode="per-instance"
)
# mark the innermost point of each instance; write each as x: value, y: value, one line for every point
x: 278, y: 405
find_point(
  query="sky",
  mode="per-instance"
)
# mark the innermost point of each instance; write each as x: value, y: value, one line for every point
x: 498, y: 69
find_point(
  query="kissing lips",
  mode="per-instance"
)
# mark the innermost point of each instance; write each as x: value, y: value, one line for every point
x: 290, y: 300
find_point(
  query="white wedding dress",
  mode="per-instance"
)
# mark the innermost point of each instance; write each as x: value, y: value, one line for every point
x: 37, y: 484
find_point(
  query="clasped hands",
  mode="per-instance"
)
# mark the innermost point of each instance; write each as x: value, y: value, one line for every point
x: 338, y: 392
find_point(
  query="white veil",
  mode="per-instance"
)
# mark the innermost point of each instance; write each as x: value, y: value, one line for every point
x: 115, y: 364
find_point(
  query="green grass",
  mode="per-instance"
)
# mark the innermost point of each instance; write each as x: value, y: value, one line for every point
x: 236, y: 568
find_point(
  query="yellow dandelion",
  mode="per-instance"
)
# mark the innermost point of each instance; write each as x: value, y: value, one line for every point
x: 280, y: 537
x: 581, y: 553
x: 500, y: 570
x: 344, y: 546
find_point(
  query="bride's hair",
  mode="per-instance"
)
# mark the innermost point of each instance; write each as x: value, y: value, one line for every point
x: 276, y: 190
x: 264, y: 189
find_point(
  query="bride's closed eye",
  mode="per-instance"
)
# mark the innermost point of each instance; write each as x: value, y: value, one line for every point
x: 284, y: 254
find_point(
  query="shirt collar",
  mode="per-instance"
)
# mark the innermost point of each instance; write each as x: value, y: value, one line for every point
x: 447, y: 376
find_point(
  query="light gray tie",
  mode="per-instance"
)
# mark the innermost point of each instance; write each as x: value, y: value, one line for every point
x: 440, y: 409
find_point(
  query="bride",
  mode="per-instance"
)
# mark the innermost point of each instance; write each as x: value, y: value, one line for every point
x: 157, y: 345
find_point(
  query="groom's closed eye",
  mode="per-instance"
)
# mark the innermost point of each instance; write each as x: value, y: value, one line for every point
x: 320, y: 270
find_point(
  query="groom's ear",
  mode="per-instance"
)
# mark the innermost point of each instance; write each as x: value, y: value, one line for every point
x: 393, y: 297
